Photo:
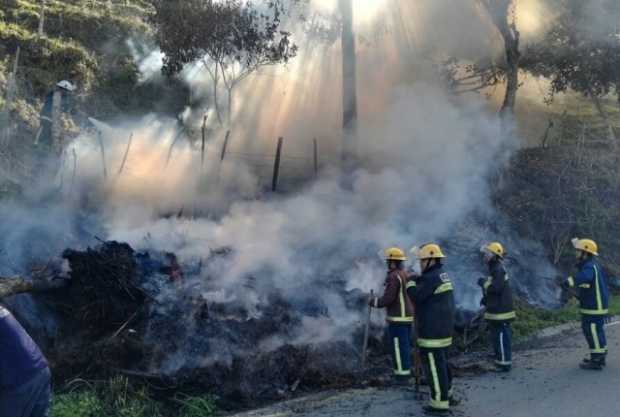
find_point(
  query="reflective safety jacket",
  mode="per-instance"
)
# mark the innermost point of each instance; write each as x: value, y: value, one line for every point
x: 497, y: 294
x: 395, y: 299
x: 591, y: 285
x: 433, y: 297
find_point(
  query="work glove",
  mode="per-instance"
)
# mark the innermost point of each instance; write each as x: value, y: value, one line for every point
x: 607, y: 319
x: 481, y: 282
x: 564, y: 284
x: 483, y: 301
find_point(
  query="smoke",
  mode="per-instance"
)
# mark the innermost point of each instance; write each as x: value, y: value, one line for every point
x: 426, y: 165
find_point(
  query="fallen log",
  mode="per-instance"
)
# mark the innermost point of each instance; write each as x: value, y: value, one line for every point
x: 17, y: 285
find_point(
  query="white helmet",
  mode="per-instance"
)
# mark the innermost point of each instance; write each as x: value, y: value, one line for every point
x: 65, y: 85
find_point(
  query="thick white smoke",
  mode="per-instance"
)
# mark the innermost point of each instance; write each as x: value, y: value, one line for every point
x: 426, y: 162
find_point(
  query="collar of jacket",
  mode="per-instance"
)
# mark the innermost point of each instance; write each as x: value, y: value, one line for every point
x: 584, y: 263
x: 394, y: 271
x: 495, y: 263
x: 432, y: 269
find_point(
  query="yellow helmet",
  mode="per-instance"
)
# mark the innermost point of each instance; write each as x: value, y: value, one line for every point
x: 428, y: 251
x: 394, y: 254
x: 586, y: 245
x: 494, y: 248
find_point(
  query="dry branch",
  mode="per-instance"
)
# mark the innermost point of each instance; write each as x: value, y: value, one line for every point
x: 17, y: 285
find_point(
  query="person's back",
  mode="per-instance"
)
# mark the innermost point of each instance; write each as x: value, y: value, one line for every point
x: 24, y: 373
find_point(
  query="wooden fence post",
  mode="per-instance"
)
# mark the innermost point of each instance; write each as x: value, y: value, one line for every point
x: 74, y: 173
x: 224, y: 146
x: 204, y: 140
x: 223, y: 155
x: 316, y: 158
x: 103, y: 163
x: 122, y: 167
x: 276, y: 165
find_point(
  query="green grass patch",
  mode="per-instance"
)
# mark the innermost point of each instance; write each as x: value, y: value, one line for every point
x: 531, y: 320
x: 119, y: 398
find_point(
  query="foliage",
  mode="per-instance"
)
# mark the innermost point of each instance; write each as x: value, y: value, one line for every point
x: 531, y: 320
x: 77, y: 404
x: 197, y: 406
x: 232, y: 38
x: 46, y: 60
x: 576, y: 54
x: 90, y: 23
x: 119, y: 398
x: 114, y: 398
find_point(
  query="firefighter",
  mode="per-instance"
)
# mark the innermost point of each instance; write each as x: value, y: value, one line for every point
x: 57, y: 101
x: 399, y: 313
x: 593, y: 294
x: 497, y: 297
x: 24, y: 373
x: 433, y: 297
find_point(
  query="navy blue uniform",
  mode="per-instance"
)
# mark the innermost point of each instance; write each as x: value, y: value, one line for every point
x: 433, y: 297
x: 593, y: 295
x: 499, y: 312
x: 24, y: 373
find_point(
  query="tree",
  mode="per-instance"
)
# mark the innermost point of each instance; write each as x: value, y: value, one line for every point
x: 502, y: 14
x: 230, y: 38
x: 490, y: 72
x: 581, y: 52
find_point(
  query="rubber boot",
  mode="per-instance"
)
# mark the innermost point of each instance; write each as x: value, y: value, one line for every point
x: 603, y: 361
x: 431, y: 411
x: 401, y: 381
x: 502, y: 368
x: 594, y: 364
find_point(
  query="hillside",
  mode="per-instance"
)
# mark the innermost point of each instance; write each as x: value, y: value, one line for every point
x: 86, y: 42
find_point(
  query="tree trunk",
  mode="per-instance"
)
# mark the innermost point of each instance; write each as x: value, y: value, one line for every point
x: 18, y: 285
x: 502, y: 14
x: 349, y: 85
x: 215, y: 78
x: 512, y: 75
x: 230, y: 107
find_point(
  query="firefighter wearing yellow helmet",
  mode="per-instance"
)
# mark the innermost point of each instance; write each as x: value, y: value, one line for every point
x: 399, y: 312
x: 433, y: 297
x: 590, y: 283
x: 497, y: 298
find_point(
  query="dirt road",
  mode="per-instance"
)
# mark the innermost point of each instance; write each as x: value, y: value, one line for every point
x: 546, y: 382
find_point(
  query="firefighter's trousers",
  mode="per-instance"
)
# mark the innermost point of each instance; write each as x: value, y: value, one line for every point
x: 501, y: 336
x: 594, y: 331
x: 438, y: 376
x: 399, y: 343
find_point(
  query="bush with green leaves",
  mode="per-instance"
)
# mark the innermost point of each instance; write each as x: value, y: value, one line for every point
x: 203, y: 406
x: 77, y: 404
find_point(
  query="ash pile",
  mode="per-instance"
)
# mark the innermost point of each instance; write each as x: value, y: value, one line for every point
x: 141, y: 314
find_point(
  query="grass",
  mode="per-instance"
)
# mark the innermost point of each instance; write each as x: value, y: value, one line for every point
x: 531, y: 319
x: 119, y: 398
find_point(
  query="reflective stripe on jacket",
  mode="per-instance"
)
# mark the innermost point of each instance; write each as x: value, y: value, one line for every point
x: 433, y: 296
x: 395, y: 299
x: 592, y: 290
x: 498, y: 294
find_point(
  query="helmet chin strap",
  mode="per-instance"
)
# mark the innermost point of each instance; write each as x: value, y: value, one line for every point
x: 582, y: 256
x: 426, y: 264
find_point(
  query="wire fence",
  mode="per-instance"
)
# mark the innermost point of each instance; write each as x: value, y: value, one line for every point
x: 274, y: 169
